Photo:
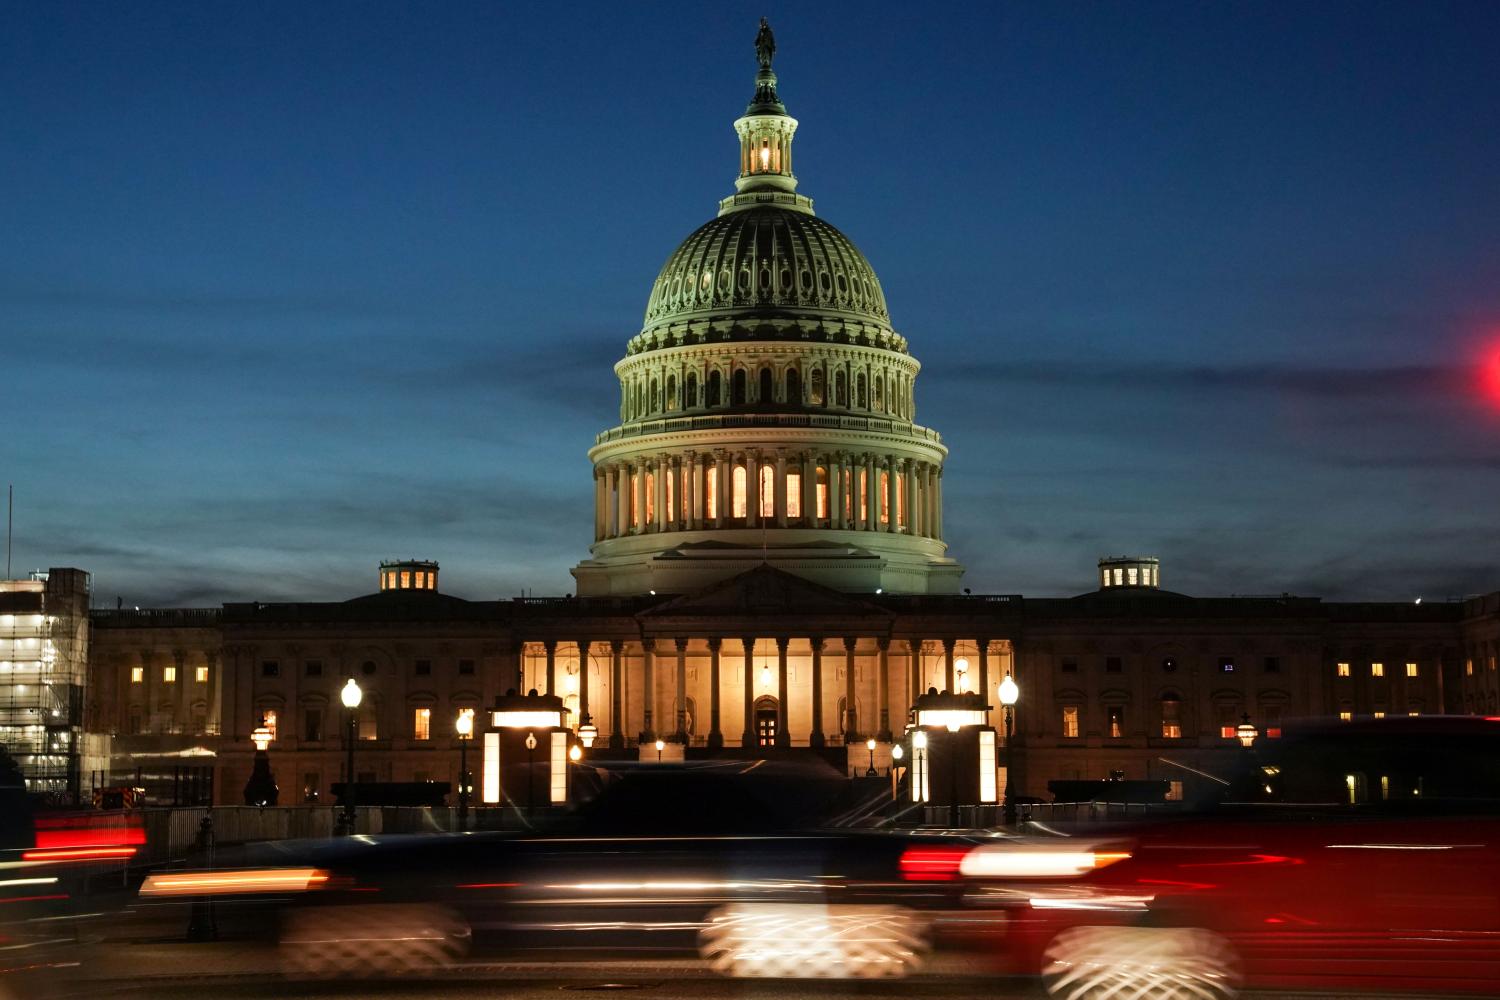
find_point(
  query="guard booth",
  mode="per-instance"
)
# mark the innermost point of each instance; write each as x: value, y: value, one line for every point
x: 526, y: 751
x: 953, y: 757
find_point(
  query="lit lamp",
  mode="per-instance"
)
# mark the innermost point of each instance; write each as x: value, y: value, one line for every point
x: 261, y: 789
x: 588, y: 733
x: 660, y: 746
x: 919, y: 764
x: 1010, y: 693
x: 351, y: 696
x: 1246, y: 732
x: 961, y: 667
x: 575, y: 753
x: 530, y: 773
x: 464, y: 724
x: 870, y: 746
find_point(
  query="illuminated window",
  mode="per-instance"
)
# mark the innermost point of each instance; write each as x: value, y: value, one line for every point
x: 1379, y: 715
x: 1271, y: 721
x: 421, y: 580
x: 1411, y: 670
x: 794, y: 494
x: 1492, y: 661
x: 268, y: 719
x: 1469, y: 668
x: 421, y: 728
x: 1345, y: 715
x: 737, y: 504
x: 200, y: 674
x: 650, y: 497
x: 711, y: 487
x: 767, y: 491
x: 671, y: 495
x: 1174, y: 791
x: 901, y: 499
x: 169, y: 675
x: 1070, y: 722
x: 815, y: 394
x: 1115, y: 719
x: 1119, y: 576
x: 406, y: 579
x: 137, y: 675
x: 1342, y: 669
x: 1413, y: 712
x: 1171, y: 718
x: 1130, y: 575
x: 1377, y: 670
x: 367, y: 725
x: 822, y: 492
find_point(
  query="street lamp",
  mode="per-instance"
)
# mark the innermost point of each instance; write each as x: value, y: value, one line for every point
x: 351, y: 696
x: 660, y: 746
x: 896, y: 754
x: 261, y: 789
x: 953, y: 773
x: 1246, y: 732
x: 870, y: 746
x: 530, y: 773
x: 465, y: 726
x: 1010, y: 693
x: 588, y: 733
x: 919, y: 762
x: 961, y: 666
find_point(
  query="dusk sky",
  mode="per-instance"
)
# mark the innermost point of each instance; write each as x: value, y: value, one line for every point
x: 289, y: 288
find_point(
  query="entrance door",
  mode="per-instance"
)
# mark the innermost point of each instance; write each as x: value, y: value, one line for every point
x: 765, y: 722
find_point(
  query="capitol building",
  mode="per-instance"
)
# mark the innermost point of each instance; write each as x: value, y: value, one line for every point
x: 767, y: 575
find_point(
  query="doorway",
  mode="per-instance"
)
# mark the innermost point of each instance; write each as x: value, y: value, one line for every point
x: 765, y: 721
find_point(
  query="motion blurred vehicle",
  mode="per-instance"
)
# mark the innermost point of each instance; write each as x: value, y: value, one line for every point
x: 737, y: 869
x: 1342, y: 858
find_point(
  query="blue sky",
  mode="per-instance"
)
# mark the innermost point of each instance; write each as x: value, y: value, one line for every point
x: 289, y: 288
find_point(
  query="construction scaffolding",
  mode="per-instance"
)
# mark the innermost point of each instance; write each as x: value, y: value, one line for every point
x: 44, y: 634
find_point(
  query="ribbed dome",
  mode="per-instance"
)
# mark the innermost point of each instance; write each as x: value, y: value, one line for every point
x: 763, y: 263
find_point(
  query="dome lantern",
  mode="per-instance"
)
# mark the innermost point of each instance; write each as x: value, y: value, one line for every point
x: 765, y: 132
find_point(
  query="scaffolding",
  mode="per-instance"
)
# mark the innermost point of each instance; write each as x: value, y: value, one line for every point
x: 44, y: 631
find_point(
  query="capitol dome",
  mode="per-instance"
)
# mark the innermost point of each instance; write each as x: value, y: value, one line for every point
x: 753, y: 266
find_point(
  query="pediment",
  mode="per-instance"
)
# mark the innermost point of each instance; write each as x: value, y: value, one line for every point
x: 766, y: 591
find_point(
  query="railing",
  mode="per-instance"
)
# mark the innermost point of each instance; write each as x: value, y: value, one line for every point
x: 156, y: 616
x: 671, y: 425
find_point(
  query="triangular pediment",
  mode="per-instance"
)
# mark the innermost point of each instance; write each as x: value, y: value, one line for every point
x: 766, y: 591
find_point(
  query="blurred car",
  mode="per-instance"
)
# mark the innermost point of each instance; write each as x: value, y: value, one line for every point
x: 1344, y: 857
x: 666, y: 861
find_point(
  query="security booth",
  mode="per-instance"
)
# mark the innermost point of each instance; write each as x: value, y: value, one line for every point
x: 526, y: 751
x: 952, y: 754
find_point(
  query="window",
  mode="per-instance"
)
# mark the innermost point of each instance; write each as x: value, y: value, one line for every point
x: 423, y: 668
x: 169, y: 675
x: 711, y: 489
x: 1379, y: 715
x: 794, y: 494
x: 737, y: 509
x: 715, y: 389
x: 1272, y: 665
x: 737, y: 385
x: 671, y: 392
x: 270, y: 668
x: 1174, y: 791
x: 268, y: 719
x: 840, y: 390
x: 1345, y: 715
x: 1342, y: 669
x: 767, y: 491
x: 815, y: 396
x: 1469, y: 668
x: 1112, y: 665
x: 1229, y: 718
x: 1070, y: 666
x: 368, y: 667
x: 1070, y: 722
x: 367, y: 725
x: 1270, y: 724
x: 822, y: 498
x: 466, y: 666
x: 312, y: 668
x: 200, y: 675
x: 312, y: 725
x: 137, y: 675
x: 1114, y: 716
x: 310, y: 786
x: 406, y: 579
x: 421, y: 728
x: 1226, y: 664
x: 421, y: 579
x: 1411, y: 670
x: 1377, y: 670
x: 1414, y: 712
x: 1171, y: 717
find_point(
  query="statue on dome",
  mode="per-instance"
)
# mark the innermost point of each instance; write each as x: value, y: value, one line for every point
x: 765, y: 45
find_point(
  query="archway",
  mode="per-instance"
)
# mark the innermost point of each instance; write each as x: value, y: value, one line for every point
x: 765, y: 721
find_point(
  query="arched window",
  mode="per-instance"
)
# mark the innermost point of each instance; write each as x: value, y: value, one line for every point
x: 885, y: 496
x: 840, y: 390
x: 655, y: 395
x: 793, y: 387
x: 715, y: 389
x: 859, y: 391
x: 711, y: 489
x: 815, y: 397
x: 738, y: 387
x: 1171, y: 716
x: 737, y: 506
x: 879, y: 395
x: 691, y: 400
x: 794, y: 493
x: 767, y: 397
x: 767, y: 491
x: 822, y: 492
x: 671, y: 392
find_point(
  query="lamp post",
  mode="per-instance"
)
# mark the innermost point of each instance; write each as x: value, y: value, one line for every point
x: 261, y: 789
x: 530, y: 773
x: 575, y: 754
x: 465, y: 726
x: 351, y: 696
x: 1010, y: 693
x: 961, y: 667
x: 953, y: 773
x: 870, y: 746
x: 919, y: 762
x: 896, y: 755
x: 660, y: 746
x: 1246, y: 732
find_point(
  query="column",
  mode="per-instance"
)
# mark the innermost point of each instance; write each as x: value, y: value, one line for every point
x: 692, y: 485
x: 948, y: 666
x: 749, y: 647
x: 835, y: 490
x: 659, y: 483
x: 859, y: 506
x: 809, y: 489
x: 648, y: 685
x: 715, y: 736
x: 909, y: 469
x: 779, y: 492
x: 752, y: 489
x: 622, y: 500
x: 638, y: 474
x: 783, y: 738
x: 551, y: 647
x: 851, y: 712
x: 583, y: 681
x: 601, y: 503
x: 891, y: 524
x: 915, y: 646
x: 681, y: 732
x: 927, y: 499
x: 937, y: 504
x: 816, y: 739
x: 984, y: 669
x: 723, y: 468
x: 616, y: 693
x: 883, y: 690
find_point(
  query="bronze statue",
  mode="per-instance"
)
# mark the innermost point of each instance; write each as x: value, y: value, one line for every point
x: 765, y: 45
